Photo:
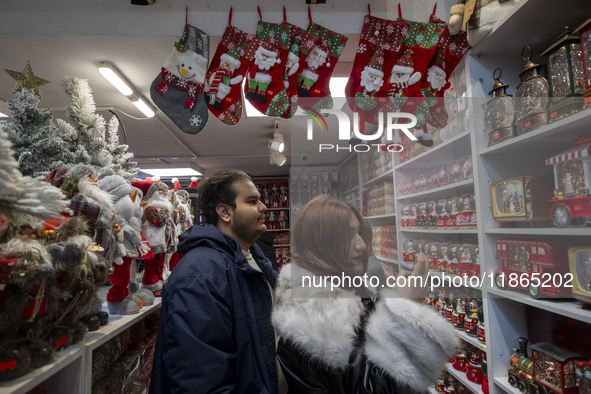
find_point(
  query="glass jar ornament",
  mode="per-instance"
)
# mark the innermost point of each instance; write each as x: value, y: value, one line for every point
x: 531, y: 98
x: 584, y: 32
x: 499, y: 115
x: 565, y: 75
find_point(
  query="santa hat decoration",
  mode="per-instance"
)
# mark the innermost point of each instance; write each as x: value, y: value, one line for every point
x: 156, y: 178
x: 143, y: 186
x: 154, y: 189
x: 292, y: 57
x: 269, y: 48
x: 176, y: 183
x: 232, y: 57
x: 376, y: 64
x: 193, y: 181
x: 404, y: 64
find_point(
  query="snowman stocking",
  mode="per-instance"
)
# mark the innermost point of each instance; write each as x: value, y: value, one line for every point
x: 450, y: 50
x: 178, y: 89
x: 321, y: 49
x: 265, y: 77
x: 284, y: 102
x: 231, y: 61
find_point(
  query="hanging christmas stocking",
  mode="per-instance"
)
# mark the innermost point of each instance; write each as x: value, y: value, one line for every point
x: 450, y: 50
x: 321, y: 49
x: 367, y: 75
x: 231, y: 61
x: 265, y: 77
x: 284, y: 102
x: 178, y: 89
x: 418, y: 46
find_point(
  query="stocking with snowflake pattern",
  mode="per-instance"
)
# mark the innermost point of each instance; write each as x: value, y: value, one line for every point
x: 231, y: 61
x: 178, y: 89
x: 321, y: 49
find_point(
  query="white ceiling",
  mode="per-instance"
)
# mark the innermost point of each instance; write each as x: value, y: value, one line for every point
x: 67, y: 38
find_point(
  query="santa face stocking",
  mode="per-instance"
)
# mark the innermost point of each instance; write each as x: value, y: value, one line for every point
x: 178, y: 89
x: 230, y: 63
x: 321, y: 49
x: 450, y: 50
x: 265, y: 77
x: 284, y: 102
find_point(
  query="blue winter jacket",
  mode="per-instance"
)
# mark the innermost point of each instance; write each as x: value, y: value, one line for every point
x: 215, y: 333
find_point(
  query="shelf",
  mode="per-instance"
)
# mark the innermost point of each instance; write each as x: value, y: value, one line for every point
x: 551, y: 137
x: 432, y: 152
x: 565, y: 307
x: 467, y: 185
x: 280, y: 245
x: 350, y: 190
x: 439, y: 231
x: 504, y: 384
x: 471, y: 340
x: 117, y: 324
x: 29, y: 381
x: 385, y: 216
x: 379, y: 178
x: 406, y: 265
x: 278, y: 209
x: 461, y: 376
x: 432, y: 390
x: 554, y: 231
x: 278, y: 229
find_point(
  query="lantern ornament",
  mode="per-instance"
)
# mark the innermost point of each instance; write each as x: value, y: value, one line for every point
x: 531, y: 98
x: 565, y: 75
x: 499, y: 116
x: 584, y: 32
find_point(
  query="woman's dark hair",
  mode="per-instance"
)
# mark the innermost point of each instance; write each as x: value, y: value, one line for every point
x: 320, y: 237
x: 219, y: 189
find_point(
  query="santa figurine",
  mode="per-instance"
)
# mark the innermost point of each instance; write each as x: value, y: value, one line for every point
x: 316, y: 58
x: 119, y: 300
x: 159, y: 229
x: 372, y: 79
x: 219, y: 82
x: 259, y: 77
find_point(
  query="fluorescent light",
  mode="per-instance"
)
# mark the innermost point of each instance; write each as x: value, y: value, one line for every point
x: 3, y: 115
x: 109, y: 73
x: 142, y: 106
x: 171, y: 172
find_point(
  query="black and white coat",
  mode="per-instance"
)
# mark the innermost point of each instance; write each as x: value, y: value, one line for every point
x: 404, y: 344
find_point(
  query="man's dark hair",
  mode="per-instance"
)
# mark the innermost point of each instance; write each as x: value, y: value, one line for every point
x: 219, y: 189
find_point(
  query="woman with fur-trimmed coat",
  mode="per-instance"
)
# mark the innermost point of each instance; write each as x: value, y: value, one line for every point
x: 344, y: 339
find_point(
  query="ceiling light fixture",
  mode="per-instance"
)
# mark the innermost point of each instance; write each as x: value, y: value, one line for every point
x: 171, y: 172
x: 277, y: 158
x: 117, y: 79
x: 276, y: 144
x: 3, y: 115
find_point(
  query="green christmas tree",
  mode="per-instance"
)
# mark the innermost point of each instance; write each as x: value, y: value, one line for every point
x: 37, y: 143
x: 121, y: 163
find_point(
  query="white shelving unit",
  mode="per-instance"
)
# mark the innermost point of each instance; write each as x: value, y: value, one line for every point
x: 71, y: 369
x: 505, y: 311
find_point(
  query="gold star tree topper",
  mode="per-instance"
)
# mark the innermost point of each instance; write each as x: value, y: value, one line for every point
x: 27, y: 80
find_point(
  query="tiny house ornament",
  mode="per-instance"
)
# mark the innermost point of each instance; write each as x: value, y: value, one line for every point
x: 531, y: 99
x: 499, y: 115
x: 565, y: 75
x: 584, y: 32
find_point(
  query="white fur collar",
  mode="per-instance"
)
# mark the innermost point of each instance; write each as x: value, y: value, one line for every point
x: 409, y: 341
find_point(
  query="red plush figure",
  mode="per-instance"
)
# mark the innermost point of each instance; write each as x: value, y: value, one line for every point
x: 159, y: 229
x: 371, y: 81
x: 266, y: 57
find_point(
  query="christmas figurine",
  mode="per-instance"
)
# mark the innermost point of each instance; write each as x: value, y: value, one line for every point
x: 282, y: 220
x: 291, y: 67
x: 314, y: 60
x: 266, y: 57
x: 402, y: 77
x: 220, y: 80
x: 461, y: 360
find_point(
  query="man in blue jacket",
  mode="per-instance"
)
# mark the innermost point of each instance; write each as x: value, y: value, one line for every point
x: 215, y: 333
